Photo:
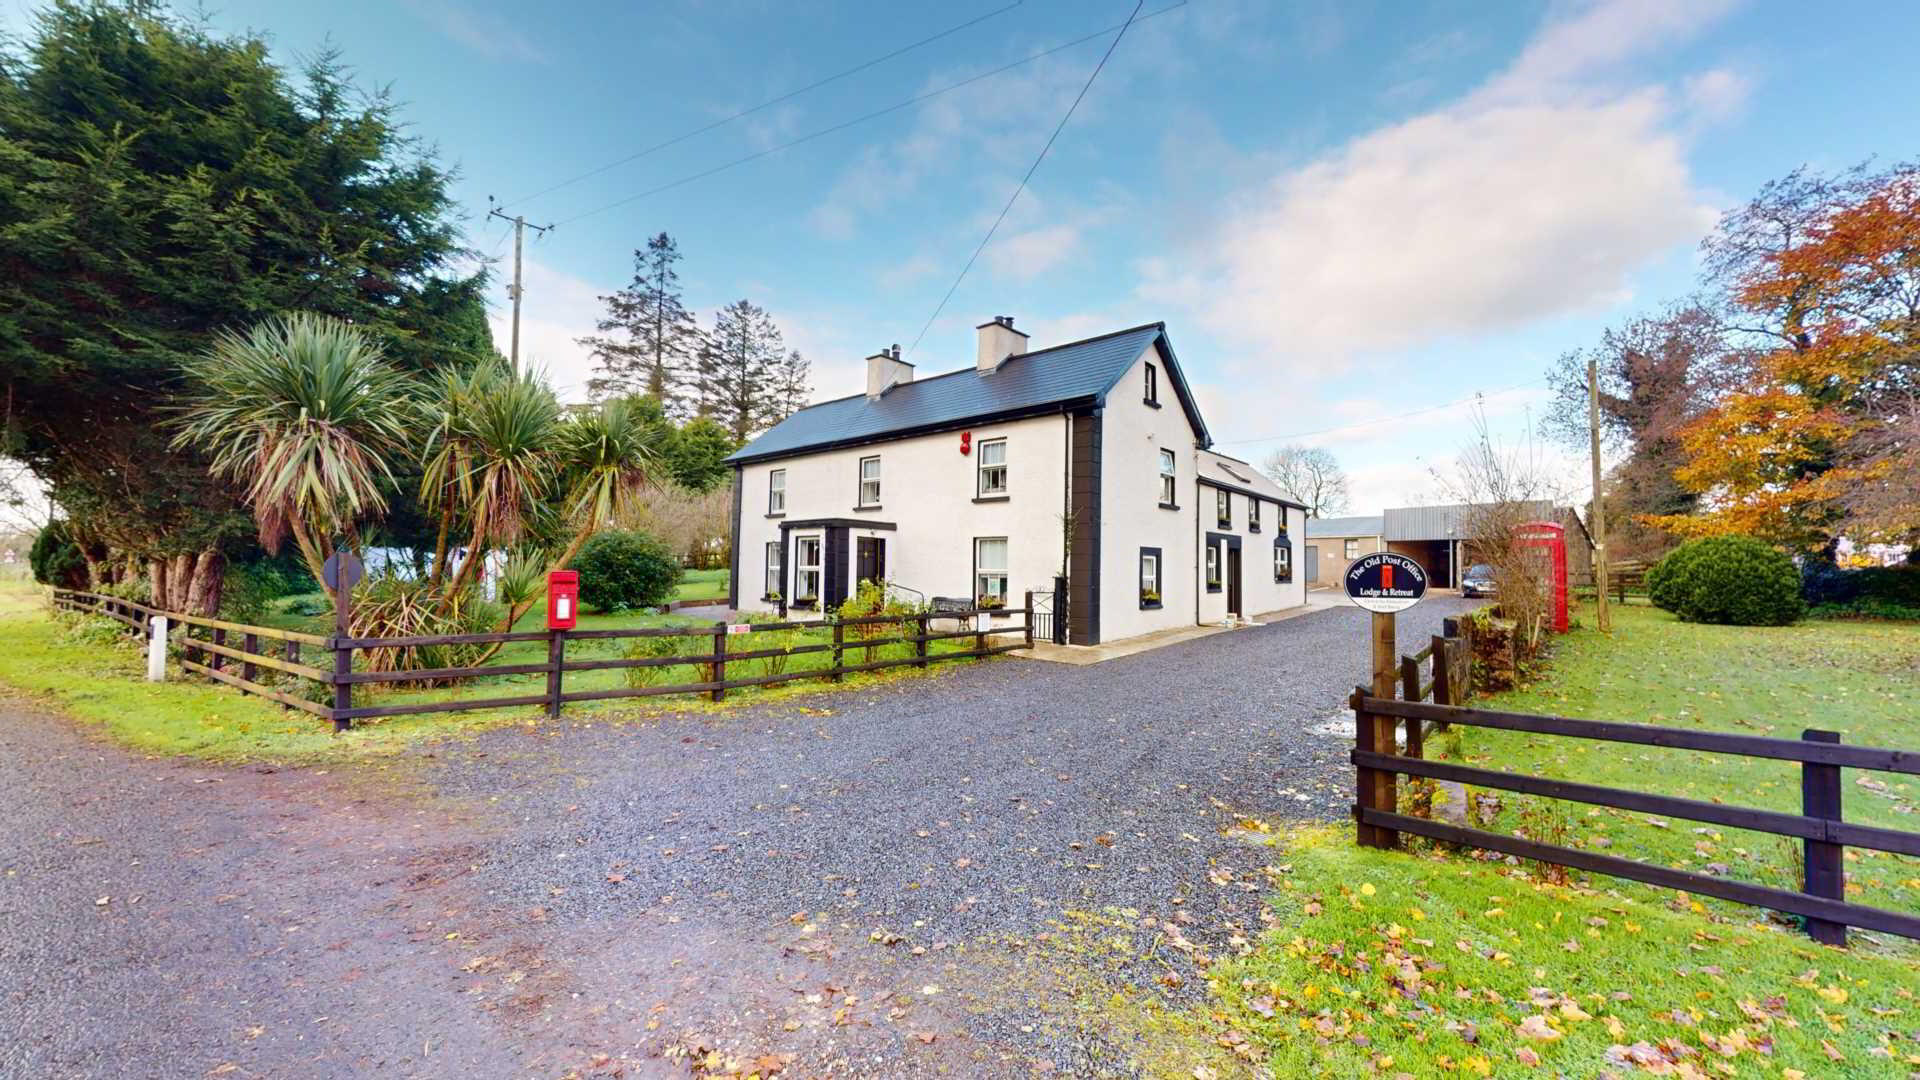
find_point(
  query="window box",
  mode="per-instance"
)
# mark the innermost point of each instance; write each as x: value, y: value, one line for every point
x: 805, y: 603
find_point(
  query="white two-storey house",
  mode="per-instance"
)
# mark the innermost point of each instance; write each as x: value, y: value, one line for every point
x: 1083, y: 467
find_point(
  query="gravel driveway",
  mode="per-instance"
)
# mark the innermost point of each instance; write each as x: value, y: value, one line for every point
x: 932, y: 877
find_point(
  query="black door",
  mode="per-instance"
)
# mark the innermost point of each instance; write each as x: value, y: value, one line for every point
x: 870, y: 559
x: 1233, y: 580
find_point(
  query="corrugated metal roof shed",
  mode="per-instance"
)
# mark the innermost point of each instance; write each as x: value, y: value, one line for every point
x: 1441, y: 522
x: 1082, y: 370
x: 1344, y: 526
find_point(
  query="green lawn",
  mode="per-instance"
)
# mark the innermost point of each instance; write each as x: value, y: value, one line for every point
x: 702, y: 585
x: 1428, y: 963
x: 97, y: 674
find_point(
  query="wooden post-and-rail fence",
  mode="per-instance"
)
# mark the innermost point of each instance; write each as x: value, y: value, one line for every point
x: 214, y: 648
x: 1820, y: 902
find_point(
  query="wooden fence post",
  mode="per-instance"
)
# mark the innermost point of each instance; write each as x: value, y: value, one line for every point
x: 1376, y: 787
x: 1825, y: 863
x: 839, y: 650
x: 1409, y: 679
x: 1029, y: 619
x: 920, y: 641
x: 719, y: 693
x: 249, y: 670
x: 342, y: 657
x: 216, y: 660
x: 1442, y: 671
x: 556, y: 656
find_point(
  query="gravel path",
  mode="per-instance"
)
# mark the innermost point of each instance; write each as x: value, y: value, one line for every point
x: 918, y: 879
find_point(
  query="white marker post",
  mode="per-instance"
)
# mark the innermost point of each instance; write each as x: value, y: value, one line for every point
x: 157, y: 649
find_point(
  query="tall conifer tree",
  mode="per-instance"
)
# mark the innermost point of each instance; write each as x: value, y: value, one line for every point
x: 648, y: 342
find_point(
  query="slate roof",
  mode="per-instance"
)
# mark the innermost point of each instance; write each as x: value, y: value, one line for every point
x: 1346, y: 526
x: 1235, y: 473
x: 1042, y: 381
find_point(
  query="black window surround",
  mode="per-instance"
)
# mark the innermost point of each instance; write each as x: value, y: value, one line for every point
x: 1169, y: 480
x: 1213, y: 566
x: 1253, y: 516
x: 1282, y: 560
x: 1150, y: 598
x: 1223, y: 507
x: 1151, y: 395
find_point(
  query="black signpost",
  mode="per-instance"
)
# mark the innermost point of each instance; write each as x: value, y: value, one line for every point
x: 1383, y: 583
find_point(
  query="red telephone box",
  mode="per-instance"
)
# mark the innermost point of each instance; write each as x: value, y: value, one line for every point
x: 563, y: 599
x: 1549, y: 540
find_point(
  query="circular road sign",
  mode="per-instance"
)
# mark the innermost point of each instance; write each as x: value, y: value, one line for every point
x: 342, y: 565
x: 1385, y: 582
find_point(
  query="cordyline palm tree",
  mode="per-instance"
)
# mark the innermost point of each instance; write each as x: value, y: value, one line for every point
x: 303, y: 411
x: 605, y: 459
x: 511, y: 433
x: 451, y: 451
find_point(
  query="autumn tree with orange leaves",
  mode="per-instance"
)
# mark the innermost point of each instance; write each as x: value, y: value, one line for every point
x: 1816, y: 437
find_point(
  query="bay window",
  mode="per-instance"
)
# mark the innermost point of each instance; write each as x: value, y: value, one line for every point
x: 806, y: 566
x: 776, y: 573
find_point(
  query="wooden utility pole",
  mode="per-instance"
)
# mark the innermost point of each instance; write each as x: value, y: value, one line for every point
x: 1605, y: 615
x: 517, y: 289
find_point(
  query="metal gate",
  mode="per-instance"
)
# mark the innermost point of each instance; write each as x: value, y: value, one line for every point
x: 1050, y: 613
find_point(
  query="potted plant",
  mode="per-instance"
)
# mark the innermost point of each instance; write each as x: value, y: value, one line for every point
x: 1149, y: 598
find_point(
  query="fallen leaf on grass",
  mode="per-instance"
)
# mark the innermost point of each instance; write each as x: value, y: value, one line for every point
x: 1536, y: 1027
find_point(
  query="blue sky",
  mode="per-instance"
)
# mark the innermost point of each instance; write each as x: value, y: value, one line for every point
x: 1343, y: 211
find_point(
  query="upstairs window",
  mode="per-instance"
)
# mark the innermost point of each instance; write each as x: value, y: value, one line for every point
x: 1253, y: 515
x: 777, y: 491
x: 1166, y: 478
x: 869, y: 481
x: 993, y: 468
x: 1153, y: 385
x: 990, y: 571
x: 1223, y: 508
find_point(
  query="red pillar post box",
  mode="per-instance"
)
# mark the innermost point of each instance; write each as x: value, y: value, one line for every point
x: 563, y: 599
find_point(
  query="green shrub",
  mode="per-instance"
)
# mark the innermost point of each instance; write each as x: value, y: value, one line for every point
x: 56, y: 559
x: 1733, y: 580
x: 134, y: 589
x: 390, y: 605
x: 622, y: 570
x: 1663, y: 580
x: 1824, y: 584
x: 654, y: 648
x: 248, y: 589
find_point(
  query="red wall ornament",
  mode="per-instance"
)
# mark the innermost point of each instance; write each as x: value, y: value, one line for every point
x: 966, y: 442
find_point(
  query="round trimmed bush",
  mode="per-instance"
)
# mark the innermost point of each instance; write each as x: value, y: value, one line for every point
x: 622, y: 570
x: 1732, y: 580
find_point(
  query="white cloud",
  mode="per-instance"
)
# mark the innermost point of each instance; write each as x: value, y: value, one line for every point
x: 1537, y: 194
x: 490, y: 35
x: 558, y: 308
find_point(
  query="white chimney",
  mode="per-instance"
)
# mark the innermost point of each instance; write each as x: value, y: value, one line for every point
x: 998, y: 340
x: 886, y: 370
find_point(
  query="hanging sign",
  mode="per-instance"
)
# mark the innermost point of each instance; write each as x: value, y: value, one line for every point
x: 1385, y: 582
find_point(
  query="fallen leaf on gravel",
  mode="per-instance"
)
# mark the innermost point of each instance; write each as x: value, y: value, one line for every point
x: 925, y: 1036
x: 616, y: 877
x: 103, y: 901
x: 930, y: 989
x: 771, y: 1063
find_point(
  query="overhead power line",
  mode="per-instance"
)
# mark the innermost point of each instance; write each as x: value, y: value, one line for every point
x: 876, y: 114
x: 1468, y: 400
x: 767, y: 104
x: 1031, y: 169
